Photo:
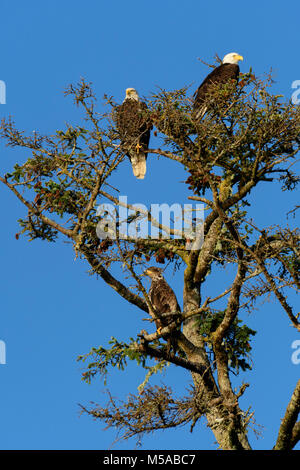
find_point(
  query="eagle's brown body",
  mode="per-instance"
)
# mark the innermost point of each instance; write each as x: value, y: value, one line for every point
x: 162, y: 297
x: 134, y: 127
x: 220, y: 75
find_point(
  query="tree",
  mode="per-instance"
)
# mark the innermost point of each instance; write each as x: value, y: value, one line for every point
x: 247, y: 137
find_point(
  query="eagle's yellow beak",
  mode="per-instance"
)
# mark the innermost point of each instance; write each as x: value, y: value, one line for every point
x: 239, y: 57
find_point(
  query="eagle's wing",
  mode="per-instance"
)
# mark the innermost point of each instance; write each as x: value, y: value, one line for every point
x: 201, y: 92
x: 163, y: 297
x: 164, y: 300
x: 219, y: 75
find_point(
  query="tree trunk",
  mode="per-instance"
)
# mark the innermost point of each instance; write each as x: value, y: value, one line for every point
x: 222, y: 413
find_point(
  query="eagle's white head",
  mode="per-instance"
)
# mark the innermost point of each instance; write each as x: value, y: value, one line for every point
x: 232, y: 58
x: 131, y: 94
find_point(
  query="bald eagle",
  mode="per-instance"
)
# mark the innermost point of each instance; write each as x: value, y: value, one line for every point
x: 228, y: 70
x: 134, y: 126
x: 164, y: 300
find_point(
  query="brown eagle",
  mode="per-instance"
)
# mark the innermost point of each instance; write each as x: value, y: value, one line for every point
x: 228, y: 70
x: 134, y: 126
x: 163, y: 299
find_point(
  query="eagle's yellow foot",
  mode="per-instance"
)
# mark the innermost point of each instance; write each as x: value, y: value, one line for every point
x: 138, y: 148
x: 159, y: 330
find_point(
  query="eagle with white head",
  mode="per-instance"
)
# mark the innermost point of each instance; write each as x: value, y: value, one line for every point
x: 228, y: 70
x: 134, y: 126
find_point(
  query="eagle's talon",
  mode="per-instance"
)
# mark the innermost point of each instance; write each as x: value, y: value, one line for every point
x: 138, y: 148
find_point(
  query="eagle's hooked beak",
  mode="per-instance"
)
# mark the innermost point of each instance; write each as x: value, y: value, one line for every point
x: 239, y: 57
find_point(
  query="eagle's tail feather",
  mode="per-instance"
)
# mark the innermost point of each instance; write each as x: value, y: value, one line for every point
x: 138, y: 162
x: 200, y: 113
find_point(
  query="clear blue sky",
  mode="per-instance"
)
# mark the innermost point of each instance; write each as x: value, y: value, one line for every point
x: 51, y: 310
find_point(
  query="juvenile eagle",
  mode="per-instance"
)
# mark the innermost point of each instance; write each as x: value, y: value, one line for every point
x: 163, y: 299
x: 134, y: 127
x: 228, y: 70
